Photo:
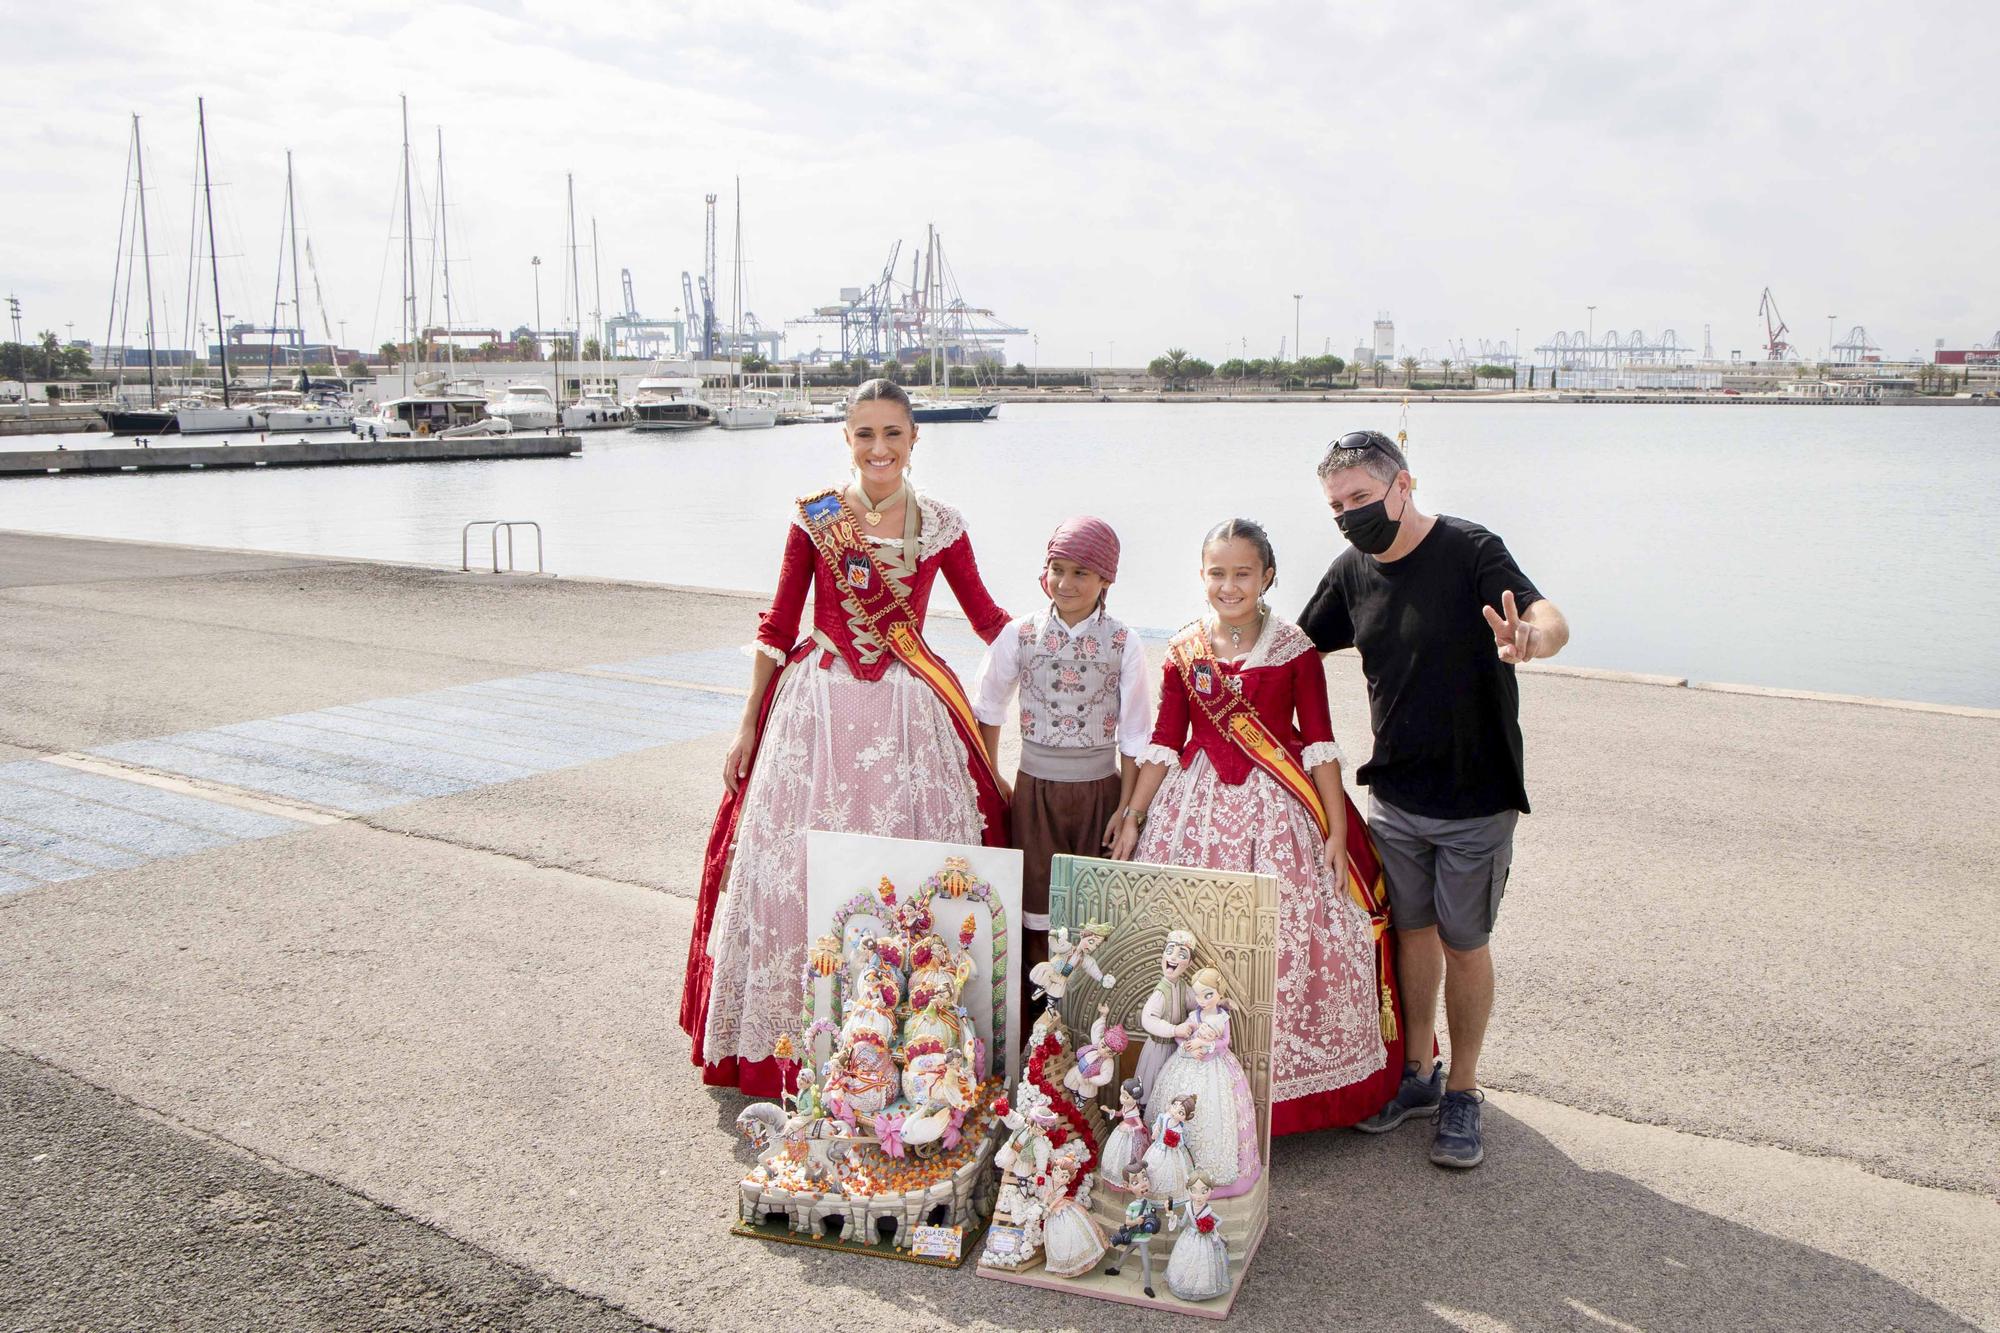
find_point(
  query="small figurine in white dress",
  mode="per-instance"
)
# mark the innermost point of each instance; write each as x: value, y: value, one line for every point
x: 1067, y: 957
x: 1126, y: 1143
x: 1198, y: 1268
x: 1072, y: 1242
x: 1224, y: 1142
x: 1165, y: 1013
x: 1168, y: 1162
x: 1096, y: 1060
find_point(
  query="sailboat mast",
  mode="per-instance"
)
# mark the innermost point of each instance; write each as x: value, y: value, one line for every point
x: 146, y: 249
x: 597, y: 278
x: 214, y: 274
x: 120, y: 264
x: 444, y: 238
x: 278, y: 280
x: 575, y: 284
x: 298, y: 307
x: 409, y: 254
x: 736, y: 301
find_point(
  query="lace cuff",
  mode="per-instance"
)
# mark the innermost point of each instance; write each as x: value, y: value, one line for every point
x: 1324, y: 752
x: 756, y: 646
x: 1159, y: 754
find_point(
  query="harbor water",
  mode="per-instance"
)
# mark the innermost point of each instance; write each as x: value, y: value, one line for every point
x: 1844, y: 550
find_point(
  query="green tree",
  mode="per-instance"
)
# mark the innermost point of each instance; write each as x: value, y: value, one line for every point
x: 1409, y: 367
x: 1197, y: 369
x: 891, y: 370
x: 319, y: 368
x: 1020, y: 370
x: 13, y: 361
x: 1235, y: 368
x: 526, y: 348
x: 390, y: 354
x: 593, y: 350
x: 1444, y: 365
x: 75, y: 362
x: 1487, y: 371
x: 50, y: 347
x: 755, y: 364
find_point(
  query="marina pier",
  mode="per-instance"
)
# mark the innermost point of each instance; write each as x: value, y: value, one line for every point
x: 343, y: 908
x: 320, y: 450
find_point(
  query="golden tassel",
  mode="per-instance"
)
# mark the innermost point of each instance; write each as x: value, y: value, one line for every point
x: 1389, y: 1028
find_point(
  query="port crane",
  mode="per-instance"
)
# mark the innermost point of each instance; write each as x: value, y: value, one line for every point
x: 908, y: 321
x: 1775, y: 346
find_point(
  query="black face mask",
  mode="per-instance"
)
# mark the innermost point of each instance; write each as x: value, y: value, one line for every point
x: 1368, y: 528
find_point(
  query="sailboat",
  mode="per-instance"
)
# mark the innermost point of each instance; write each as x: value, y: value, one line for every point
x: 152, y: 419
x: 434, y: 408
x: 923, y: 408
x: 743, y: 410
x: 301, y: 409
x: 208, y: 418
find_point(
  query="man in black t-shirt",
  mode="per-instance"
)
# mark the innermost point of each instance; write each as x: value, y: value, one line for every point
x: 1441, y: 615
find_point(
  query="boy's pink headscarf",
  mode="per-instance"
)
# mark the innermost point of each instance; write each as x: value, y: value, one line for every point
x: 1090, y: 542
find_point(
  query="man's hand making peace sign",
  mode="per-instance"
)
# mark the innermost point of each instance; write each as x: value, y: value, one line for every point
x: 1519, y: 638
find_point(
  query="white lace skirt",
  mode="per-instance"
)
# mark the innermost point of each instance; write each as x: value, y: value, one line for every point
x: 1328, y: 1032
x: 842, y: 755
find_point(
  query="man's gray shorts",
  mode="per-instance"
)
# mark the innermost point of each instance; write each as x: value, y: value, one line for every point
x: 1448, y: 873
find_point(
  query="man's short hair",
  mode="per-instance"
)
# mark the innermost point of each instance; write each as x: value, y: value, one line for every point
x: 1370, y: 450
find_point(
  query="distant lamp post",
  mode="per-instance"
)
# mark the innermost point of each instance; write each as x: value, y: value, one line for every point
x: 1037, y: 381
x: 1829, y: 337
x: 1298, y: 348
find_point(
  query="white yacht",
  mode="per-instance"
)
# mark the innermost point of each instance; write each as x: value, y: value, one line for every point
x: 289, y: 410
x: 670, y: 402
x: 448, y: 413
x: 527, y: 407
x: 215, y: 419
x: 597, y: 408
x: 750, y: 409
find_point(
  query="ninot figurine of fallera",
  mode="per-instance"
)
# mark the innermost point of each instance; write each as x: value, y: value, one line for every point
x: 1198, y: 1269
x: 1127, y: 1141
x: 1168, y: 1161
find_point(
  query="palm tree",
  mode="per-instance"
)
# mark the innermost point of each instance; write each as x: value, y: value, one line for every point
x: 1409, y: 365
x: 51, y: 349
x: 1445, y: 366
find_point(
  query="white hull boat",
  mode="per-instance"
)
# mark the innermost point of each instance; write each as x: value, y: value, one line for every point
x: 214, y: 420
x: 527, y: 407
x: 596, y: 412
x: 746, y: 416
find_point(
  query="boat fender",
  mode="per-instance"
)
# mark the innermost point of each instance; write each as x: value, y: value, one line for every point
x: 423, y: 428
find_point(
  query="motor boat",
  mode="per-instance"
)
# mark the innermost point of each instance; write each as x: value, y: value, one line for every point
x: 670, y: 402
x: 452, y: 415
x: 931, y: 409
x: 597, y: 408
x: 750, y: 409
x: 527, y: 407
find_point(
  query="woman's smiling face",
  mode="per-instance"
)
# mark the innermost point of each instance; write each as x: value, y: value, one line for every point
x: 880, y: 436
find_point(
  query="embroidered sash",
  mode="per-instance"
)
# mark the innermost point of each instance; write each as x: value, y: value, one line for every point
x: 1219, y: 696
x: 856, y: 570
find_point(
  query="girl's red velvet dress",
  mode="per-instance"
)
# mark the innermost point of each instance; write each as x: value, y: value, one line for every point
x: 848, y: 740
x: 1329, y: 1062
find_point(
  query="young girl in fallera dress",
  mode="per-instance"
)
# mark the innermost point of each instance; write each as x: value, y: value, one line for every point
x: 855, y: 726
x: 1243, y: 774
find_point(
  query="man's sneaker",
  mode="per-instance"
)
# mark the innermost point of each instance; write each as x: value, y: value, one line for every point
x: 1416, y: 1098
x: 1457, y: 1142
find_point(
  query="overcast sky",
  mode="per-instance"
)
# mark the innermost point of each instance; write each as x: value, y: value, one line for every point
x: 1136, y: 176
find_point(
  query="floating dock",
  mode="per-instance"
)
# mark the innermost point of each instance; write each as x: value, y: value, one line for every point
x: 292, y: 453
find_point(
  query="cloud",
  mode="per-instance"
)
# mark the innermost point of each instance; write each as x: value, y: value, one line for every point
x: 1138, y: 175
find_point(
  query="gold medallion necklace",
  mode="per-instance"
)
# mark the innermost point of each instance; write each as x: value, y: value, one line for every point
x: 872, y: 511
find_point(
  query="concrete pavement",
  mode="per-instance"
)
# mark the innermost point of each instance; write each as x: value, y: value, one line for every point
x: 1743, y: 1059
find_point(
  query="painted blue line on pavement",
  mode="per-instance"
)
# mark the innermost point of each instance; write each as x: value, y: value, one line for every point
x: 104, y: 824
x: 192, y: 761
x: 82, y: 851
x: 151, y: 801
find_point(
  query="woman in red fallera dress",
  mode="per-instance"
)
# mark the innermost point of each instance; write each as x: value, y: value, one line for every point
x: 853, y: 727
x: 1272, y: 803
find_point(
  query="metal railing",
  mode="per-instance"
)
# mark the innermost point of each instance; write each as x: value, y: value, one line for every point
x: 498, y: 525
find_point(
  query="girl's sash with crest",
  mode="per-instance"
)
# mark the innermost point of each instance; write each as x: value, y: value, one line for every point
x: 1218, y: 695
x: 881, y: 604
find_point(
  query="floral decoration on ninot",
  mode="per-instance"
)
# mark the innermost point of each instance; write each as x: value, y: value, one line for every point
x: 1205, y: 1223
